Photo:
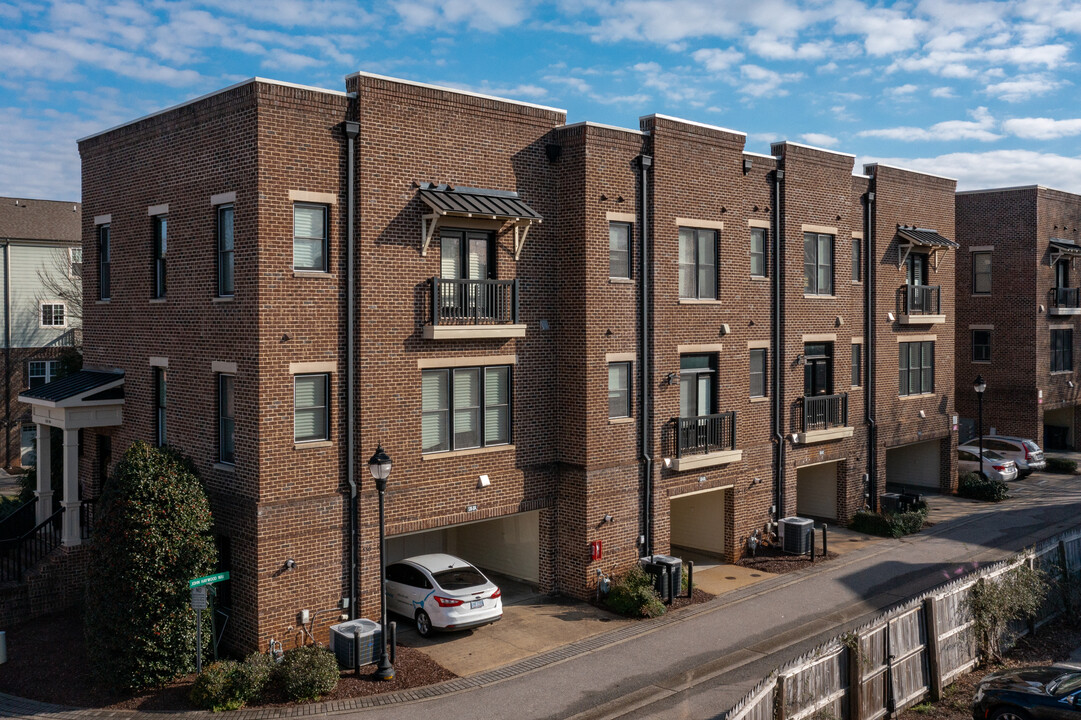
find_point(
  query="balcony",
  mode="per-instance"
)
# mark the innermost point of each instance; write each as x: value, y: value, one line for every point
x: 824, y: 417
x: 473, y: 309
x: 705, y: 441
x: 1064, y: 301
x: 921, y: 305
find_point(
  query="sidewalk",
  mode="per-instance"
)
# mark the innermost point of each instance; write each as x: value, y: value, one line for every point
x: 698, y: 661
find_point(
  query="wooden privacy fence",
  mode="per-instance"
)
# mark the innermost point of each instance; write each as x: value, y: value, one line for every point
x: 908, y: 653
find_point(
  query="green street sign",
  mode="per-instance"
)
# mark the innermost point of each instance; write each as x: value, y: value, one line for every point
x: 208, y: 579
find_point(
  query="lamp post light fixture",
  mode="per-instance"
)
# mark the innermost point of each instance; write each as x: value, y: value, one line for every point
x: 979, y: 385
x: 380, y: 465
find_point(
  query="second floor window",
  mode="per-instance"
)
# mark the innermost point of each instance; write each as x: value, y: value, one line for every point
x: 758, y: 372
x: 226, y: 419
x: 464, y: 408
x: 981, y: 346
x: 310, y: 237
x: 817, y: 369
x: 857, y: 365
x: 310, y: 409
x: 758, y: 252
x: 619, y: 389
x: 817, y: 264
x: 856, y: 255
x: 160, y: 385
x: 40, y: 372
x: 104, y: 262
x: 981, y: 273
x: 225, y: 251
x: 1061, y: 350
x: 161, y: 243
x: 698, y: 263
x: 917, y: 367
x: 53, y: 315
x: 619, y: 250
x: 696, y: 389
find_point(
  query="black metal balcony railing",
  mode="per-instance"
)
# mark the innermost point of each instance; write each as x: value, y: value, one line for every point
x: 23, y: 553
x: 1064, y: 297
x: 922, y: 299
x: 822, y: 412
x: 705, y: 434
x: 474, y: 302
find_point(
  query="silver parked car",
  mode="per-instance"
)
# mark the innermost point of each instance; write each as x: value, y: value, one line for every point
x: 995, y: 466
x: 1026, y: 453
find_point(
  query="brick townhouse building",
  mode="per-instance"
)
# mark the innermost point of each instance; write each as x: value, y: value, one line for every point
x: 495, y: 347
x: 1017, y: 308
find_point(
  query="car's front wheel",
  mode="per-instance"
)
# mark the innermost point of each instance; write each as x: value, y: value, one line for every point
x: 1009, y: 713
x: 424, y: 627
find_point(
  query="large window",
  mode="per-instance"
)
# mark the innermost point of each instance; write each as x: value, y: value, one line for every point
x: 856, y: 256
x: 161, y: 243
x: 226, y: 419
x: 817, y: 369
x: 104, y: 262
x: 758, y: 372
x: 981, y: 346
x: 1061, y: 350
x: 40, y: 372
x: 917, y: 367
x: 619, y: 389
x: 75, y: 258
x: 981, y: 273
x: 310, y: 407
x: 53, y: 315
x: 857, y: 365
x: 619, y: 250
x: 697, y: 263
x: 160, y: 385
x: 817, y: 264
x: 465, y: 408
x: 225, y: 251
x: 696, y: 390
x: 758, y: 252
x: 310, y: 237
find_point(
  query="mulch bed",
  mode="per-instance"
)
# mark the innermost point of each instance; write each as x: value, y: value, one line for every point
x: 772, y: 559
x: 697, y: 596
x: 47, y: 661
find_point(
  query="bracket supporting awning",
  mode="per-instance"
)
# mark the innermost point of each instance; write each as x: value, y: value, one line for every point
x: 476, y: 204
x: 910, y: 238
x: 1062, y: 250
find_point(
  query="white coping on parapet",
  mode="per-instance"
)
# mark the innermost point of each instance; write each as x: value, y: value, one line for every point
x: 361, y: 73
x: 761, y: 155
x: 861, y: 177
x: 814, y: 147
x: 691, y: 122
x: 904, y: 169
x: 587, y: 123
x: 1013, y: 187
x: 242, y: 83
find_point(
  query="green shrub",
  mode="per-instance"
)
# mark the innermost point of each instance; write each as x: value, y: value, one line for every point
x: 632, y: 594
x: 995, y: 603
x: 151, y: 537
x: 308, y: 672
x: 1061, y: 465
x: 215, y: 688
x: 889, y: 524
x: 977, y: 487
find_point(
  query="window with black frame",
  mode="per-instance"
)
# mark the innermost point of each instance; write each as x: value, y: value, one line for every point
x: 916, y: 362
x: 758, y: 252
x: 161, y: 243
x: 463, y: 408
x: 758, y: 372
x: 160, y: 385
x: 225, y: 251
x: 466, y: 267
x: 1061, y: 350
x: 817, y: 369
x: 226, y: 419
x: 619, y: 250
x: 817, y: 263
x: 619, y: 389
x: 697, y: 375
x: 857, y: 365
x: 697, y: 263
x: 981, y: 346
x: 104, y: 262
x: 981, y: 273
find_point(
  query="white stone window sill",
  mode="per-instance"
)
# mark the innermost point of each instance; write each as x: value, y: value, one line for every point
x: 920, y: 396
x: 222, y: 299
x: 224, y: 467
x: 620, y: 281
x: 158, y: 301
x: 696, y: 301
x: 759, y: 399
x: 809, y: 296
x: 469, y: 451
x: 313, y: 444
x: 102, y: 302
x: 314, y: 274
x: 620, y: 420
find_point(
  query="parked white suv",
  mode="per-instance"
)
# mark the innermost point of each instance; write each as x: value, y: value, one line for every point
x: 1024, y: 452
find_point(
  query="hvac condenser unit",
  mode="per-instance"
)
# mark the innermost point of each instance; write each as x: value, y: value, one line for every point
x: 796, y: 535
x: 365, y: 647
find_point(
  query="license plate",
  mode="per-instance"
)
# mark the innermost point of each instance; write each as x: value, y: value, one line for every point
x: 476, y: 604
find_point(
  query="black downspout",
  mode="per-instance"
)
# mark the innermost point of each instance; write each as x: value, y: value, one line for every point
x: 644, y: 279
x: 869, y: 338
x: 7, y: 352
x: 352, y: 129
x: 778, y: 343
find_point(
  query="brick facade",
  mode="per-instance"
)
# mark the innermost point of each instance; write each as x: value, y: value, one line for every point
x: 568, y: 464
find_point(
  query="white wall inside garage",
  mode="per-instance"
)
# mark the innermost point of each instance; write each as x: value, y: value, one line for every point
x: 916, y: 464
x: 816, y: 491
x: 697, y: 521
x: 508, y: 545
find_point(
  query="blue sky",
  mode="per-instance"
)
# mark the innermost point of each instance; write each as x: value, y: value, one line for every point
x: 986, y: 92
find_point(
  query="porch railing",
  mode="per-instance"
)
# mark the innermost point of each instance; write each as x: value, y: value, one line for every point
x: 25, y: 552
x: 705, y: 434
x: 922, y: 299
x: 19, y: 522
x: 822, y: 412
x: 87, y: 513
x: 474, y: 302
x: 1064, y: 297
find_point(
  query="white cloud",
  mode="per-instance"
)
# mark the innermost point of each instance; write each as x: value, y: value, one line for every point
x: 886, y: 31
x: 900, y: 90
x: 819, y: 139
x: 1023, y: 87
x: 504, y: 91
x: 943, y: 92
x: 477, y: 14
x: 997, y: 168
x: 979, y: 128
x: 716, y: 60
x: 1042, y: 128
x: 760, y: 81
x: 675, y: 87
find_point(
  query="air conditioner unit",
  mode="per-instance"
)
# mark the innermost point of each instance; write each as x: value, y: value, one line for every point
x: 796, y: 535
x: 351, y: 651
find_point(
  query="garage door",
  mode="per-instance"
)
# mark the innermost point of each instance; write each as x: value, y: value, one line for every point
x: 816, y: 491
x: 508, y: 545
x: 916, y: 465
x: 1058, y: 429
x: 697, y: 521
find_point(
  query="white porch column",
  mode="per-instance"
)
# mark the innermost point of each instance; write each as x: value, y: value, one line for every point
x: 72, y: 531
x: 44, y: 490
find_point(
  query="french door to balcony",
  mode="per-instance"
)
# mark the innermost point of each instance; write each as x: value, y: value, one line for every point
x: 466, y: 256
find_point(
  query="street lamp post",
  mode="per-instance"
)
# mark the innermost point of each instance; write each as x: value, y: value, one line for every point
x: 380, y: 465
x: 979, y: 385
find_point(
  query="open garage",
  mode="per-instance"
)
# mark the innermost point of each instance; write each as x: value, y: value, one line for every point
x: 915, y: 465
x: 1058, y: 429
x: 508, y: 545
x: 816, y: 491
x: 697, y: 521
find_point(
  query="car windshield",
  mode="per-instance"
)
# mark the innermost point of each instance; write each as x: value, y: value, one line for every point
x: 1065, y: 685
x: 459, y: 578
x: 1033, y: 447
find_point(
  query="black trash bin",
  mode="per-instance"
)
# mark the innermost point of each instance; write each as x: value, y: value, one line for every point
x: 675, y: 573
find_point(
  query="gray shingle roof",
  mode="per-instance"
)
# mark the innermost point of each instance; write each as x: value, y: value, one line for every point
x: 72, y: 385
x: 40, y: 220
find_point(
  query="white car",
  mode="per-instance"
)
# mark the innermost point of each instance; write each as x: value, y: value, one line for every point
x: 995, y: 466
x: 1026, y: 453
x: 442, y: 592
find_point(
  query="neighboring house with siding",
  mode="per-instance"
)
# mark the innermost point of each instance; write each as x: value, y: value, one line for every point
x: 40, y: 287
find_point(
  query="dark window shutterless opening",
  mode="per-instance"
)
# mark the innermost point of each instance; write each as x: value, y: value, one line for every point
x: 225, y: 251
x: 104, y: 262
x: 1061, y: 350
x: 981, y: 346
x: 817, y: 369
x: 160, y: 386
x: 857, y: 365
x: 226, y: 419
x: 981, y: 273
x: 161, y: 243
